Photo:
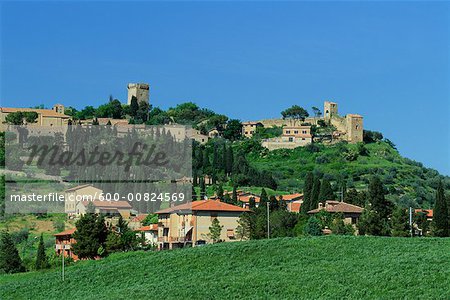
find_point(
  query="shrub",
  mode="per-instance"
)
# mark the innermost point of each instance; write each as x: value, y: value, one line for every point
x: 313, y: 227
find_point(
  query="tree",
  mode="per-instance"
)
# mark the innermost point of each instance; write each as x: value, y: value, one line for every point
x: 214, y: 230
x: 440, y: 214
x: 313, y: 227
x: 315, y: 193
x: 317, y: 112
x: 307, y: 193
x: 41, y: 258
x: 377, y: 198
x: 219, y: 192
x: 10, y: 261
x: 234, y: 195
x: 90, y: 235
x: 202, y: 188
x: 399, y: 221
x: 338, y: 226
x: 263, y: 198
x: 150, y: 219
x: 251, y: 202
x: 134, y: 106
x: 295, y: 112
x: 233, y: 131
x: 326, y: 191
x: 243, y: 228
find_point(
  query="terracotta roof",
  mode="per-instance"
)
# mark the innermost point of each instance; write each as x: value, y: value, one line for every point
x: 337, y: 206
x: 78, y: 187
x: 139, y: 218
x: 44, y: 112
x: 203, y: 205
x: 246, y: 198
x: 295, y: 207
x: 66, y: 232
x: 292, y: 196
x: 429, y: 212
x: 152, y: 227
x: 108, y: 204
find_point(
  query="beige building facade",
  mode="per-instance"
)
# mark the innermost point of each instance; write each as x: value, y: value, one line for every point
x: 46, y: 117
x: 139, y: 90
x: 249, y: 128
x: 79, y: 193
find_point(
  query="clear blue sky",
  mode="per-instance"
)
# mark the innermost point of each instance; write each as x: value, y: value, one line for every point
x: 388, y: 61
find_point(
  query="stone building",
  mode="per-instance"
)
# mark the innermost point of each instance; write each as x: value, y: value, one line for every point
x: 293, y: 136
x: 249, y: 128
x: 140, y: 91
x: 46, y: 117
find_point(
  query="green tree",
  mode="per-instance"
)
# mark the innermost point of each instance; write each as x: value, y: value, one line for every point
x: 234, y: 197
x: 263, y: 198
x: 10, y: 261
x: 202, y: 188
x: 338, y: 226
x: 307, y: 193
x: 215, y: 230
x: 399, y: 221
x: 440, y: 214
x: 315, y: 193
x: 326, y: 191
x: 313, y: 227
x: 243, y: 228
x: 134, y: 107
x: 90, y: 235
x: 295, y: 112
x: 233, y: 131
x: 41, y: 258
x: 377, y: 199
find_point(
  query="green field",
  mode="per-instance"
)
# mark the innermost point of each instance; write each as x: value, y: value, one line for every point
x: 289, y: 268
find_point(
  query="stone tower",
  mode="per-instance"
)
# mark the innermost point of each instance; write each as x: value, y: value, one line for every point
x: 354, y: 128
x: 330, y: 109
x: 59, y: 108
x: 138, y: 90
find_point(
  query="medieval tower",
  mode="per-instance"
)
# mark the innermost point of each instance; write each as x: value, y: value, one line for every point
x: 330, y: 109
x: 138, y: 90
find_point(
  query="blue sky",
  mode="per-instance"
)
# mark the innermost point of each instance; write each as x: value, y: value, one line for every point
x: 388, y: 61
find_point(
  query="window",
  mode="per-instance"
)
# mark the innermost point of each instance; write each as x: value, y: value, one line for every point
x: 357, y: 126
x: 288, y: 131
x: 291, y: 139
x: 295, y: 131
x: 303, y: 139
x: 304, y: 131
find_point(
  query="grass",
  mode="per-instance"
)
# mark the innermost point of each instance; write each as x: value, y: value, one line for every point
x: 289, y: 268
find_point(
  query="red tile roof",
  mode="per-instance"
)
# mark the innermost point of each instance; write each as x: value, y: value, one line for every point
x: 203, y: 205
x: 246, y: 198
x: 66, y: 232
x: 429, y: 212
x: 292, y: 196
x: 139, y: 218
x: 152, y: 227
x: 337, y: 206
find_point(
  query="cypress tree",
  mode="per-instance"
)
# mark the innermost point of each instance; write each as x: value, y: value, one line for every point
x: 315, y: 194
x: 134, y: 107
x: 229, y: 160
x: 399, y: 220
x: 251, y: 203
x: 326, y: 191
x: 234, y: 196
x: 440, y: 214
x: 10, y: 261
x: 377, y: 199
x: 307, y: 193
x: 263, y: 198
x: 194, y: 194
x: 41, y: 258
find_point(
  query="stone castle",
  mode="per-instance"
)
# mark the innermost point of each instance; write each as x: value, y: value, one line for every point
x: 295, y: 133
x: 138, y: 90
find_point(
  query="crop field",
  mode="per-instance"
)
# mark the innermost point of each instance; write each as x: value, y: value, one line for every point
x: 289, y: 268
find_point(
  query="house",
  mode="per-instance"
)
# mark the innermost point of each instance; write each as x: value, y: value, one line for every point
x: 72, y: 196
x: 249, y: 128
x: 111, y: 209
x: 245, y: 199
x: 293, y: 136
x: 188, y: 224
x: 293, y: 201
x: 429, y: 213
x: 350, y: 212
x: 214, y: 132
x: 136, y: 221
x: 150, y: 233
x: 63, y: 243
x: 197, y: 136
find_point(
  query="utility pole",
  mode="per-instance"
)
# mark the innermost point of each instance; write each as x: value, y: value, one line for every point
x: 268, y: 220
x: 63, y: 252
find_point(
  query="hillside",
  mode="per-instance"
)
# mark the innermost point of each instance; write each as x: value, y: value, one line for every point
x: 333, y: 266
x: 408, y: 182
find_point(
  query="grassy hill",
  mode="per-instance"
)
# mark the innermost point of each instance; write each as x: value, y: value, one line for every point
x: 331, y: 267
x: 407, y: 181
